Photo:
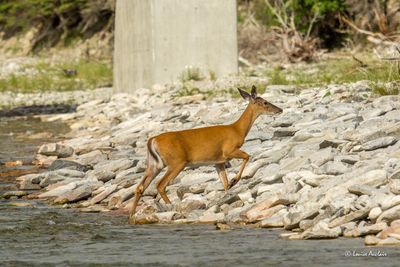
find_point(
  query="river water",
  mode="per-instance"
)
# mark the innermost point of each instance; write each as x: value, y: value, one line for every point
x: 34, y: 234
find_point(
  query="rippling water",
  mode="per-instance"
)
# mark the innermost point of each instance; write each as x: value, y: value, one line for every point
x: 43, y: 236
x: 39, y: 235
x: 15, y: 133
x: 19, y: 140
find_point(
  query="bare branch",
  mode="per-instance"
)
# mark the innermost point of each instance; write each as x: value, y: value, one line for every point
x: 314, y: 19
x: 352, y: 25
x: 277, y: 15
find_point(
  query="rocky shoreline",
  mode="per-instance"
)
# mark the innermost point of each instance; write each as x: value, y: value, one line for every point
x: 10, y: 100
x: 328, y: 166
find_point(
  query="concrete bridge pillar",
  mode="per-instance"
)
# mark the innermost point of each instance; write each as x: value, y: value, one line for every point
x: 156, y: 39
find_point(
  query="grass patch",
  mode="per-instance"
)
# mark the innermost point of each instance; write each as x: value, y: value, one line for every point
x: 190, y: 74
x: 384, y: 89
x: 65, y: 76
x: 192, y: 88
x: 338, y: 71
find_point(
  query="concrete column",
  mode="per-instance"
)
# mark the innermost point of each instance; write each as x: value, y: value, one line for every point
x: 156, y: 39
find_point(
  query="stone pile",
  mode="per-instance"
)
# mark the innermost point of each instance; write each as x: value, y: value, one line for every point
x: 328, y: 166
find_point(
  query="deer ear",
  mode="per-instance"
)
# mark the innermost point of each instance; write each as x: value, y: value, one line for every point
x: 244, y: 94
x: 253, y: 92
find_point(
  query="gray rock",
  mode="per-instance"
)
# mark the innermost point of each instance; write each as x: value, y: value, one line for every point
x: 374, y: 213
x: 81, y: 192
x: 115, y: 165
x: 371, y: 240
x: 61, y: 151
x: 379, y: 143
x: 252, y: 168
x: 103, y: 175
x: 229, y: 197
x: 335, y: 168
x: 298, y: 213
x: 30, y: 181
x: 390, y: 241
x: 389, y: 215
x: 372, y: 178
x: 245, y: 196
x: 53, y: 177
x: 275, y: 220
x: 61, y: 190
x: 395, y: 175
x: 234, y: 214
x: 394, y: 186
x: 123, y: 153
x: 108, y: 191
x: 292, y: 164
x: 387, y: 103
x: 209, y: 217
x: 129, y: 139
x: 321, y: 231
x: 68, y: 164
x: 363, y: 230
x: 190, y: 204
x: 18, y: 194
x: 322, y: 156
x: 167, y: 216
x: 91, y: 145
x: 212, y: 186
x: 255, y: 214
x: 92, y: 157
x: 278, y: 187
x: 360, y: 189
x: 349, y: 159
x: 182, y: 190
x: 268, y: 174
x: 284, y: 132
x: 390, y: 201
x: 191, y: 178
x: 353, y: 216
x: 197, y: 188
x: 330, y: 143
x: 258, y: 135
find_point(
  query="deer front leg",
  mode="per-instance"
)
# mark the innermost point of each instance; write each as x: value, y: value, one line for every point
x: 238, y: 154
x: 222, y: 175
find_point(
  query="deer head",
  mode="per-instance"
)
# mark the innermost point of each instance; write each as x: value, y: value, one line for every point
x: 259, y: 104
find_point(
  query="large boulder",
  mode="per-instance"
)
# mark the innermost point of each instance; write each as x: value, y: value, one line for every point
x: 59, y: 150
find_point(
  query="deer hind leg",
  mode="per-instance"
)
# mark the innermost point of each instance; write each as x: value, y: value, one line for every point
x: 222, y: 175
x: 238, y: 154
x: 172, y: 172
x: 152, y: 170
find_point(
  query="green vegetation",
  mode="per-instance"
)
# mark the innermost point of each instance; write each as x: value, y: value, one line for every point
x: 382, y: 76
x: 338, y: 71
x: 191, y: 88
x: 59, y: 77
x: 303, y: 11
x: 190, y: 74
x: 56, y: 21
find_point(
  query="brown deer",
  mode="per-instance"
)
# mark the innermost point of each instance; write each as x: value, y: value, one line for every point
x: 214, y: 145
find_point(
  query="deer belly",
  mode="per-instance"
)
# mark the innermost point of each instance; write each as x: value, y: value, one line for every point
x: 204, y: 160
x: 204, y: 163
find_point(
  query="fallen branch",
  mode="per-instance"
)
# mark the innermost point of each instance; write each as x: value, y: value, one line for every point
x: 352, y: 25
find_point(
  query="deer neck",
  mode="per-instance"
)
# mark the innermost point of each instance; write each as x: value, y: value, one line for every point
x: 246, y: 120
